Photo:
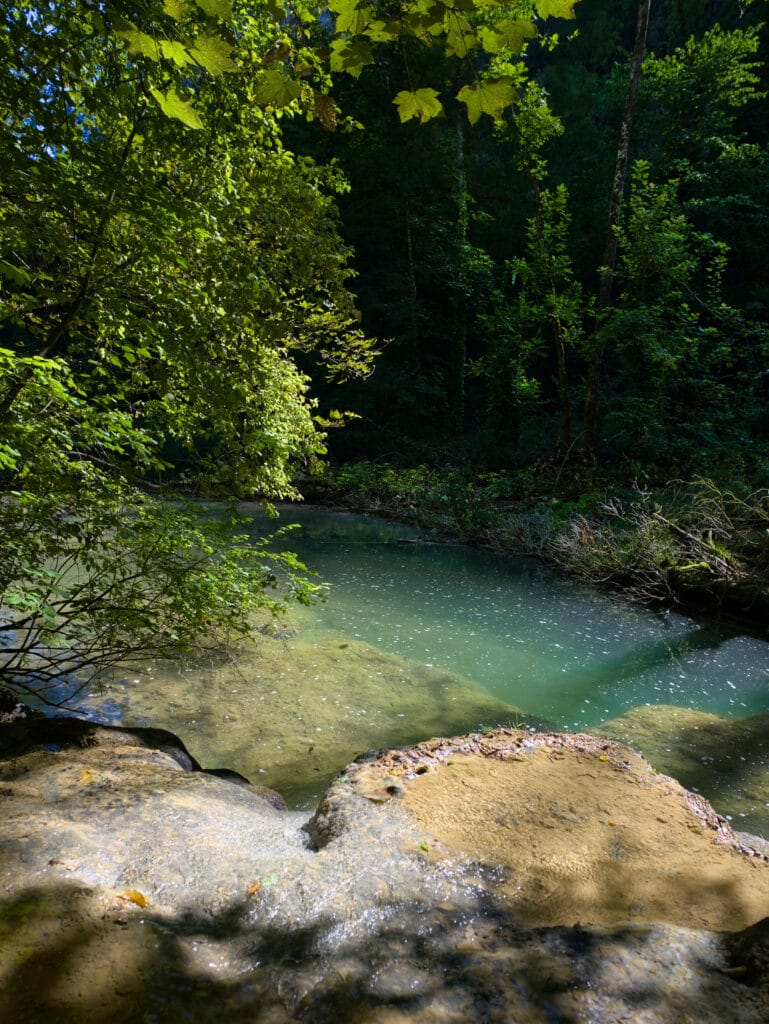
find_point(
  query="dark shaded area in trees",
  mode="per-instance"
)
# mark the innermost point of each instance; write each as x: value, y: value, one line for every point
x: 437, y: 216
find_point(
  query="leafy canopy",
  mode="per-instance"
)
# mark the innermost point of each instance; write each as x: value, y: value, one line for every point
x: 164, y: 261
x: 470, y: 30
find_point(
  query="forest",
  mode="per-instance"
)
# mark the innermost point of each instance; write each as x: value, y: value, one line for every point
x: 493, y: 267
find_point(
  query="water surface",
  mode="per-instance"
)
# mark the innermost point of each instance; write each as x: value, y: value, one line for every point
x: 420, y: 639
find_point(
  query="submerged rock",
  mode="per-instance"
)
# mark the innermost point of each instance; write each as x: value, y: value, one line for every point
x: 479, y: 878
x: 725, y: 757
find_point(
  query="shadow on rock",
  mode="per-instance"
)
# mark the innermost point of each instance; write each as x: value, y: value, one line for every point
x: 72, y: 955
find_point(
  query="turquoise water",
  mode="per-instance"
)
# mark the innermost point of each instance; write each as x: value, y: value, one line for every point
x: 564, y: 653
x: 424, y: 639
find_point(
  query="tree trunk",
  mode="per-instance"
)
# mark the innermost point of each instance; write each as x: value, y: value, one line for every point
x: 416, y: 359
x: 563, y: 386
x: 590, y: 422
x: 456, y: 382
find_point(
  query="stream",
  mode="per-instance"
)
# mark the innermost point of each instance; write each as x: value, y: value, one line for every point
x: 421, y: 639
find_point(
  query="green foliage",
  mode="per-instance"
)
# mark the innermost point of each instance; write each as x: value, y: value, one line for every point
x: 693, y: 540
x: 692, y: 98
x: 157, y: 286
x: 686, y: 355
x: 546, y: 308
x: 462, y: 30
x: 423, y: 103
x: 490, y: 96
x: 96, y: 578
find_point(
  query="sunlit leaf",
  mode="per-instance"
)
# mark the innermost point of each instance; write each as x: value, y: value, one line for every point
x: 352, y: 18
x: 180, y: 109
x: 351, y: 57
x: 216, y: 8
x: 422, y: 103
x: 507, y: 35
x: 381, y: 32
x: 555, y: 8
x: 213, y: 53
x: 14, y: 273
x: 491, y: 96
x: 140, y: 43
x: 176, y: 9
x: 175, y: 51
x: 276, y: 89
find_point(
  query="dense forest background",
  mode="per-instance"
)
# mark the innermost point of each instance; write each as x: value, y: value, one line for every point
x: 478, y: 252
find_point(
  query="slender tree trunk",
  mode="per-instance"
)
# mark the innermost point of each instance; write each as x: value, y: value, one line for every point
x: 416, y: 357
x: 590, y: 423
x: 559, y: 330
x: 563, y: 386
x: 458, y: 359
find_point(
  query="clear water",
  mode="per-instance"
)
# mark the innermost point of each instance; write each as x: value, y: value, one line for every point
x: 561, y: 652
x: 421, y: 639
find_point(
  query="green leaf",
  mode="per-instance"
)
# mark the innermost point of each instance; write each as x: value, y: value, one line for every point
x: 216, y: 8
x: 350, y: 17
x: 423, y: 103
x: 175, y: 51
x: 276, y: 89
x: 176, y: 9
x: 555, y: 8
x: 491, y: 96
x: 180, y: 109
x: 139, y: 43
x: 213, y: 53
x: 381, y: 32
x: 507, y: 35
x: 461, y: 38
x: 351, y: 57
x: 11, y: 272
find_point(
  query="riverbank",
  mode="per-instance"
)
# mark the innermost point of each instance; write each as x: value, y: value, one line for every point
x: 136, y: 886
x: 695, y: 544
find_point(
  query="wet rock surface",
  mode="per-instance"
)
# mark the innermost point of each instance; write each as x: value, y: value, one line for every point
x: 135, y: 889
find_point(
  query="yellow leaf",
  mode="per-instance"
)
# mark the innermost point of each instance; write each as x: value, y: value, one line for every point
x: 604, y: 757
x: 86, y: 775
x: 134, y: 896
x: 422, y: 103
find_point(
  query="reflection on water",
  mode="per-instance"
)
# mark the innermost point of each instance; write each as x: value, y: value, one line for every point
x: 422, y: 639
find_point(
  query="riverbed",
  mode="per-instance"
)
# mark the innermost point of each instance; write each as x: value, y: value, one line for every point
x: 419, y: 637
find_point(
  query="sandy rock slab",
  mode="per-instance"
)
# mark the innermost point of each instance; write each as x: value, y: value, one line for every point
x: 580, y: 830
x: 134, y: 887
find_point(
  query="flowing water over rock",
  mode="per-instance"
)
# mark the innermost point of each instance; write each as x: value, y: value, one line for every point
x: 132, y: 889
x: 421, y: 639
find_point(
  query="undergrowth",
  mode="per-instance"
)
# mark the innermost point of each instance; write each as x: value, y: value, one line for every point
x: 680, y: 541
